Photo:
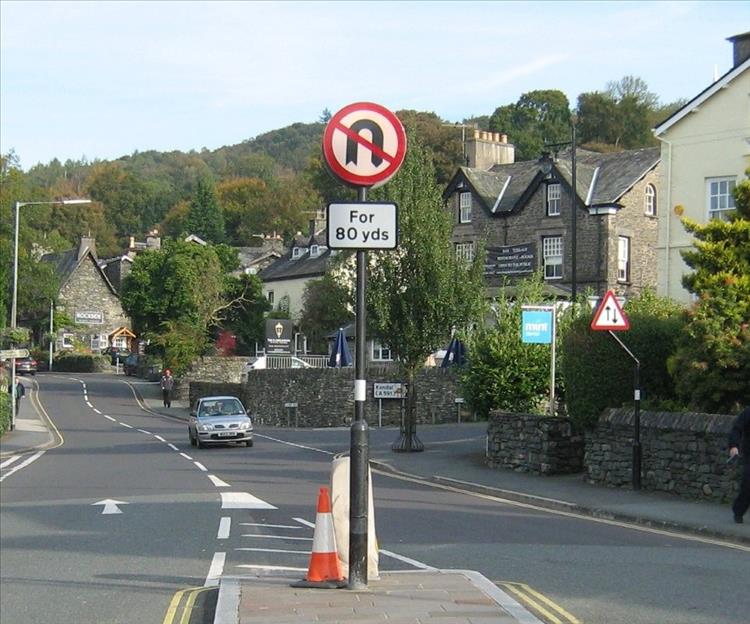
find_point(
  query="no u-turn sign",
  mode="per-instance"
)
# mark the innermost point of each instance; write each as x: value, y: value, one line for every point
x: 364, y: 144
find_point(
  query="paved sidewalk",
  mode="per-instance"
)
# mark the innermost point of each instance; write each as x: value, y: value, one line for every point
x: 31, y: 432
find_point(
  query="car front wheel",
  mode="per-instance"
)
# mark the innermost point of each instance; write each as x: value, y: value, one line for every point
x: 248, y: 443
x: 193, y: 441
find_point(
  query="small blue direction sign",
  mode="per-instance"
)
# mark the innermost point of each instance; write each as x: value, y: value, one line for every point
x: 536, y: 326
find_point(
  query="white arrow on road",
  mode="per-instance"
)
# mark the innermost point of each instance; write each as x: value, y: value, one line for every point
x: 110, y: 506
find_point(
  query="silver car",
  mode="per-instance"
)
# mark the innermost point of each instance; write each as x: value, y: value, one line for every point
x: 219, y: 419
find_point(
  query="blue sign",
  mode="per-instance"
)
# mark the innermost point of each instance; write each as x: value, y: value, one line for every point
x: 536, y: 326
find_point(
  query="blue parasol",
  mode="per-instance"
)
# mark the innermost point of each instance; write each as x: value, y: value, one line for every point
x: 340, y: 355
x: 455, y: 355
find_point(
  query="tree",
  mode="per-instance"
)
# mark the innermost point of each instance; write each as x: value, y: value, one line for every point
x: 325, y: 309
x: 246, y: 317
x: 536, y: 119
x: 711, y: 368
x: 418, y: 292
x: 205, y: 218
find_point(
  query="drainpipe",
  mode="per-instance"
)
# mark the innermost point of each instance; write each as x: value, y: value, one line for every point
x: 668, y: 216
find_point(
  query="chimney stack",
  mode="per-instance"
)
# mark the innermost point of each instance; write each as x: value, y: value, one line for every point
x: 741, y: 45
x: 487, y: 149
x: 87, y: 243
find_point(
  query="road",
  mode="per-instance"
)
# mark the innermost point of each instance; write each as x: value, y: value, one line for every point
x: 188, y: 515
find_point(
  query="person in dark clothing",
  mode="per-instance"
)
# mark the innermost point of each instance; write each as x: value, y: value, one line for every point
x: 167, y: 384
x: 20, y: 391
x: 739, y: 444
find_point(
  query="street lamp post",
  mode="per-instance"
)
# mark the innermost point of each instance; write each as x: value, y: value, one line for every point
x: 14, y: 304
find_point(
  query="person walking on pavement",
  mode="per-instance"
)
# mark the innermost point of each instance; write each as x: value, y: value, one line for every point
x: 167, y: 384
x: 739, y: 444
x: 19, y: 391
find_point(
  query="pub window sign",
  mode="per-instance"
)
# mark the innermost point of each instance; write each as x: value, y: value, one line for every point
x: 89, y: 317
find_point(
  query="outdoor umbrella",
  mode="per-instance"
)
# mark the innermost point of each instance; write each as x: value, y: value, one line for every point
x: 340, y: 355
x: 455, y: 355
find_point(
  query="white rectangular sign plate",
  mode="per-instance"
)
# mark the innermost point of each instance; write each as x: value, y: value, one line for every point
x: 362, y: 225
x: 389, y: 391
x: 8, y: 354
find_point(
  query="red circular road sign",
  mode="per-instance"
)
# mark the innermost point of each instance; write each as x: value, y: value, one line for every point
x: 364, y: 144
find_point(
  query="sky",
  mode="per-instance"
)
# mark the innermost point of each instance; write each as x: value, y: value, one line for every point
x: 101, y: 80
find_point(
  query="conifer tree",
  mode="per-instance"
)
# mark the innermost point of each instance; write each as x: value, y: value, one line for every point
x: 205, y: 218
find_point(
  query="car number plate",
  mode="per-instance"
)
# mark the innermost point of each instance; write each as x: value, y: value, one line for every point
x: 226, y: 434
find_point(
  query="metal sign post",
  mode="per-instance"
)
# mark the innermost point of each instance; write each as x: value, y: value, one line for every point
x: 610, y: 317
x: 364, y: 144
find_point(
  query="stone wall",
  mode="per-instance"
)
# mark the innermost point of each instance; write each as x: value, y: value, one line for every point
x: 532, y: 443
x: 683, y: 454
x: 213, y: 369
x: 325, y: 396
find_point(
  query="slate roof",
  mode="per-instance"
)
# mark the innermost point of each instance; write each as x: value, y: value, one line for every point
x: 601, y: 179
x: 65, y: 263
x: 287, y: 267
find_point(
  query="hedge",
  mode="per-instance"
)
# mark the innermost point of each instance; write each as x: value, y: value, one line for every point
x: 4, y: 412
x: 80, y: 363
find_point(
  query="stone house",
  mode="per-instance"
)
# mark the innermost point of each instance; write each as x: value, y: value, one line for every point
x: 522, y: 215
x: 704, y: 153
x: 88, y: 297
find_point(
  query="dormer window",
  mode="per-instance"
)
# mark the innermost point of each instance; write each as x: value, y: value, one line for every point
x: 464, y: 208
x: 296, y: 252
x: 314, y: 251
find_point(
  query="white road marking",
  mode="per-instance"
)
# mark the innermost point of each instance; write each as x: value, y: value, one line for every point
x: 225, y: 525
x: 305, y: 522
x: 302, y: 446
x: 250, y: 566
x: 126, y: 425
x: 412, y: 562
x: 158, y: 437
x: 218, y: 482
x: 243, y: 500
x: 216, y: 569
x: 276, y: 550
x: 23, y: 464
x: 89, y: 404
x: 186, y: 456
x: 96, y: 410
x: 83, y: 385
x: 110, y: 506
x: 281, y: 537
x: 144, y: 431
x: 273, y: 526
x: 9, y: 461
x: 200, y: 466
x: 173, y: 447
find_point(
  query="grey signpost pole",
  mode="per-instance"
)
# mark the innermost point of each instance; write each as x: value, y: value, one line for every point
x: 359, y: 452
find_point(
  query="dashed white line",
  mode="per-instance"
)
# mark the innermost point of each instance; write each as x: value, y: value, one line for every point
x: 216, y: 569
x: 96, y: 410
x: 186, y: 456
x: 281, y: 537
x: 89, y: 404
x: 218, y: 482
x: 110, y: 418
x: 200, y: 466
x: 250, y: 566
x: 158, y: 437
x: 275, y: 550
x: 272, y: 526
x: 144, y: 431
x: 127, y: 425
x: 9, y: 461
x: 225, y: 524
x: 173, y: 447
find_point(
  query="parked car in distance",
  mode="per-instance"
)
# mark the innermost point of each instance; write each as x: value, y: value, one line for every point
x: 26, y: 365
x: 115, y: 354
x: 130, y: 365
x: 219, y: 419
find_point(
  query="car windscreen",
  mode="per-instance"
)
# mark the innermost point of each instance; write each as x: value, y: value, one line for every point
x: 220, y: 407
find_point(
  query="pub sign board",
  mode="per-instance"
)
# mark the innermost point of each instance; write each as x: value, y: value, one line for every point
x: 510, y: 259
x: 279, y: 334
x: 88, y: 317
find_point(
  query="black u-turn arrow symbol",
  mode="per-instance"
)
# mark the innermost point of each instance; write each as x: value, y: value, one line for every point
x: 352, y: 146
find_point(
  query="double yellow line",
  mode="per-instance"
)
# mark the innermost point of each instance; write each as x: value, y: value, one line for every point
x: 182, y: 605
x: 550, y: 611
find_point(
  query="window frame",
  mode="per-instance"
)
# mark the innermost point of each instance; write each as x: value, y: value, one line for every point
x: 553, y: 204
x: 464, y: 251
x: 381, y: 349
x: 545, y: 255
x: 649, y: 201
x: 720, y: 212
x: 464, y: 207
x: 270, y: 296
x: 623, y: 260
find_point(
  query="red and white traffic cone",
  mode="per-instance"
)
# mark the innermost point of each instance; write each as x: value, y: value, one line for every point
x: 324, y: 571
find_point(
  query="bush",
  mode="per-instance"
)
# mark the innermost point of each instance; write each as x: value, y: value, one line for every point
x: 4, y: 412
x: 80, y: 363
x: 599, y: 374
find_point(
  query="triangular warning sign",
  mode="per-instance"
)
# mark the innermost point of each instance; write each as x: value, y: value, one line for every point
x: 609, y: 315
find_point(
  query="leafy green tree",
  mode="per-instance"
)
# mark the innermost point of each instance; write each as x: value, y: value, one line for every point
x: 536, y: 119
x: 418, y: 292
x: 245, y: 318
x: 504, y: 372
x: 205, y: 218
x: 325, y: 309
x: 712, y: 365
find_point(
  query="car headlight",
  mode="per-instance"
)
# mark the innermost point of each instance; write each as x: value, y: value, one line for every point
x: 246, y: 426
x: 205, y: 427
